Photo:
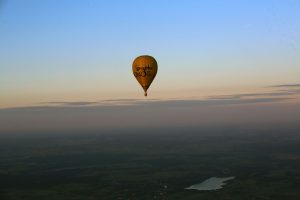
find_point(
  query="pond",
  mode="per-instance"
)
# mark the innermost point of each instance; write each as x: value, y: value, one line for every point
x: 213, y: 183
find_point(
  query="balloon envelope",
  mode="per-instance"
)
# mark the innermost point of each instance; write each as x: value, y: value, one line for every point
x: 144, y: 69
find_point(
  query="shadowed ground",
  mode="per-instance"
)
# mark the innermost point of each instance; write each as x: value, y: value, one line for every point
x: 157, y: 164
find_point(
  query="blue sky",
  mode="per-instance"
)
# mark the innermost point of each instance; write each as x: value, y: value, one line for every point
x: 62, y: 50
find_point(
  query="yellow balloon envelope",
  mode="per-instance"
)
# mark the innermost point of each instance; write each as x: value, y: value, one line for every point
x: 144, y: 69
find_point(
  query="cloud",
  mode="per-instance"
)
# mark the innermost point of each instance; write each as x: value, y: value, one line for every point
x: 136, y: 114
x: 72, y: 103
x: 213, y: 102
x: 277, y: 95
x: 293, y: 89
x: 252, y: 95
x: 287, y: 86
x: 106, y: 102
x: 287, y: 90
x: 115, y: 105
x: 120, y: 100
x: 148, y: 115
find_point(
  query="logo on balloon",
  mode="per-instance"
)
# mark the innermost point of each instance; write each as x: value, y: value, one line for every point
x: 143, y: 71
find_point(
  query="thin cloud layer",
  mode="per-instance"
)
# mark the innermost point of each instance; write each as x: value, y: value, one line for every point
x: 281, y: 93
x: 230, y: 100
x: 287, y: 86
x: 286, y: 91
x: 72, y: 103
x: 275, y: 107
x: 253, y: 95
x: 149, y: 115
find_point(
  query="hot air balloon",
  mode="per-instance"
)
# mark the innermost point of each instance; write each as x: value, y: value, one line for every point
x: 144, y: 69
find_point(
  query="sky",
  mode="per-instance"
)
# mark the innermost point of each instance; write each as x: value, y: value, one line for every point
x: 62, y: 53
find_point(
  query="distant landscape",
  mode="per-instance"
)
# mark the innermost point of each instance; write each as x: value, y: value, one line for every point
x: 152, y: 164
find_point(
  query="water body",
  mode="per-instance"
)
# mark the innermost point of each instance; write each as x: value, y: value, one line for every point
x: 213, y: 183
